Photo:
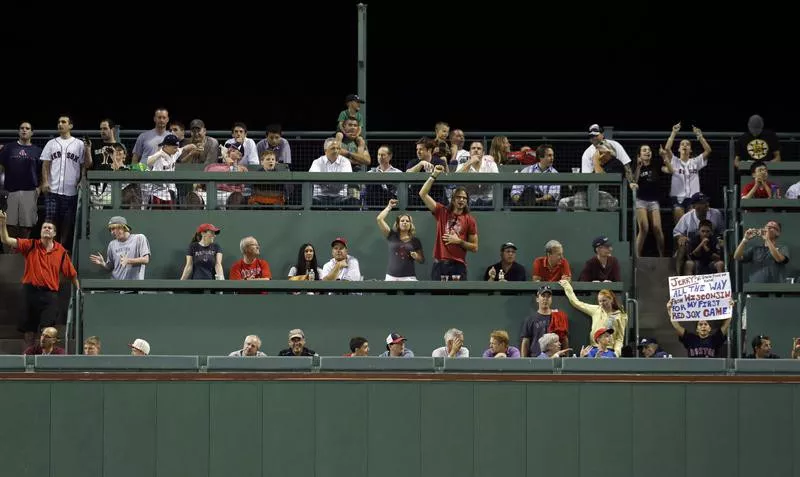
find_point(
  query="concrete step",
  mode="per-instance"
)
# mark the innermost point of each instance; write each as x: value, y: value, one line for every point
x: 652, y: 274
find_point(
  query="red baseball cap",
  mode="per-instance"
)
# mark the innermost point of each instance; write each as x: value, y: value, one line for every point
x: 339, y: 239
x: 601, y: 331
x: 206, y: 228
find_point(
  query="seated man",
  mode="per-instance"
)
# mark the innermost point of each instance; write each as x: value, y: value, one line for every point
x: 275, y: 143
x: 332, y: 161
x: 507, y: 269
x: 538, y: 194
x: 251, y: 347
x: 396, y: 347
x: 689, y: 224
x: 47, y: 343
x: 127, y: 255
x: 760, y: 188
x: 297, y: 345
x: 250, y: 266
x: 454, y: 345
x: 762, y: 348
x: 553, y: 267
x: 602, y: 267
x: 649, y: 348
x: 91, y: 346
x: 480, y: 194
x: 342, y: 266
x: 139, y: 347
x: 269, y: 194
x: 768, y: 258
x: 359, y: 346
x: 705, y: 252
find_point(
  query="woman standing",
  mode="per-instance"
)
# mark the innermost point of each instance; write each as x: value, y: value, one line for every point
x: 608, y: 313
x: 686, y: 170
x: 204, y: 257
x: 648, y: 206
x: 405, y: 249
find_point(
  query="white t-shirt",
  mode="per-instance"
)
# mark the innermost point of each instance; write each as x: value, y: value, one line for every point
x: 689, y: 223
x: 352, y: 272
x: 250, y: 155
x: 165, y: 162
x: 587, y: 165
x: 322, y: 164
x: 686, y: 176
x: 793, y: 192
x: 66, y: 156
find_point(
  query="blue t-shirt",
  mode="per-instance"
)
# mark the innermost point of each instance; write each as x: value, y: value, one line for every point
x: 22, y: 166
x: 605, y: 354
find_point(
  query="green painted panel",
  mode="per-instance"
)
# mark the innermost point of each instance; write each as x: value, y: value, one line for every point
x: 236, y: 432
x: 372, y: 316
x: 24, y: 443
x: 129, y: 429
x: 796, y: 426
x: 448, y: 429
x: 395, y: 429
x: 552, y: 416
x: 288, y: 428
x: 605, y: 429
x: 500, y: 428
x: 776, y: 319
x: 183, y: 429
x: 711, y: 429
x: 76, y: 429
x: 341, y: 429
x: 659, y: 429
x: 765, y: 432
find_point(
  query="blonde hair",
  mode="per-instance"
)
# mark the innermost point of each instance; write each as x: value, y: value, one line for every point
x: 412, y: 231
x: 500, y: 335
x: 92, y: 340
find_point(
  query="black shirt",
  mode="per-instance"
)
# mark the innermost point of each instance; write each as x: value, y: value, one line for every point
x: 697, y: 347
x: 515, y: 274
x: 650, y: 180
x: 401, y: 264
x: 757, y: 148
x: 305, y: 352
x: 534, y: 328
x: 703, y: 256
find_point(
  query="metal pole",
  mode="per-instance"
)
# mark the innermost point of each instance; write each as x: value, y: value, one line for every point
x: 362, y: 58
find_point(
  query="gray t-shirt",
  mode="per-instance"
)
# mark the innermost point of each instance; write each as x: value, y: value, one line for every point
x: 534, y: 328
x: 135, y: 247
x: 764, y: 268
x: 147, y: 143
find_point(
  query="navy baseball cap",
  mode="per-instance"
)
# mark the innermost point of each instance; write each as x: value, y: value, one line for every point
x: 544, y: 289
x: 647, y: 341
x: 699, y: 197
x: 170, y: 140
x: 599, y: 241
x: 354, y: 97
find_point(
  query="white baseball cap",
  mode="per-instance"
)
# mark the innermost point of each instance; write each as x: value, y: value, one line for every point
x: 141, y: 345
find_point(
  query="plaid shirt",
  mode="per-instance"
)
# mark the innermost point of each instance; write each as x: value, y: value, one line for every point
x: 539, y: 189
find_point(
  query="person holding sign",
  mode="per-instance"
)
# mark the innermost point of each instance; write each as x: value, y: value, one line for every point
x: 607, y: 314
x: 702, y: 343
x: 770, y: 259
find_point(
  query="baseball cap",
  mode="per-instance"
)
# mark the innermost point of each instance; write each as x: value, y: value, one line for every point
x: 118, y: 220
x: 339, y: 240
x: 297, y: 333
x: 394, y: 338
x: 197, y: 123
x: 595, y: 130
x: 601, y: 331
x: 544, y: 289
x: 141, y: 345
x: 170, y: 140
x: 647, y: 341
x: 353, y: 97
x: 507, y: 245
x: 235, y: 145
x: 599, y: 241
x: 699, y: 197
x: 206, y: 228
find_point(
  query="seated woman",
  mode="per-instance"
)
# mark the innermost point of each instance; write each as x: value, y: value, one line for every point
x: 306, y: 268
x: 608, y: 313
x: 204, y: 257
x: 498, y: 346
x: 404, y: 248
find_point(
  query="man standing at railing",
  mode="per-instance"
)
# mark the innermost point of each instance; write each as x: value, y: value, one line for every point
x: 64, y: 159
x: 769, y: 259
x: 148, y: 142
x: 456, y: 231
x: 20, y: 161
x: 45, y: 260
x: 757, y: 144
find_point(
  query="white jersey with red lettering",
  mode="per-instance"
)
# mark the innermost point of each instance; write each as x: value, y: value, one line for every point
x: 66, y: 156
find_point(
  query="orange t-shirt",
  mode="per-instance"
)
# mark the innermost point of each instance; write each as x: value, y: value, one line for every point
x: 541, y: 269
x: 41, y: 266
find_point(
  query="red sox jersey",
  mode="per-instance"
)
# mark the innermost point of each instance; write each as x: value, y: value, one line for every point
x: 66, y: 157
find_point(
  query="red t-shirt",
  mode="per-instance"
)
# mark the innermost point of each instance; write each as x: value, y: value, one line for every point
x: 540, y: 269
x: 242, y: 271
x: 41, y: 266
x: 462, y: 225
x: 760, y: 192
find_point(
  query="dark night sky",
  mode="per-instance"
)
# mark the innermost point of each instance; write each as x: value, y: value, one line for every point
x: 479, y: 69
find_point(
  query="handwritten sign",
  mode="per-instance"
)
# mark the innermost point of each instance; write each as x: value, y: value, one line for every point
x: 701, y: 297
